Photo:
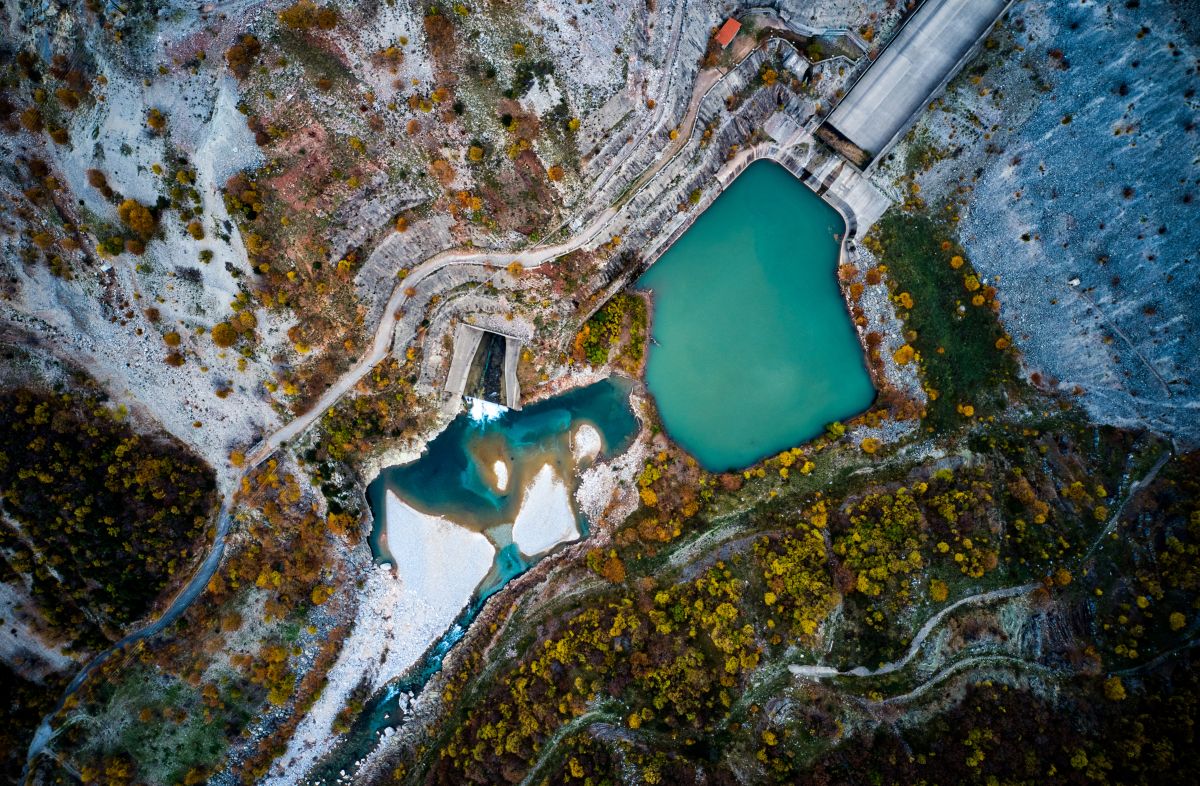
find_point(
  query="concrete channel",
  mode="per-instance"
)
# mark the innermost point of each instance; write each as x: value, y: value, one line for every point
x: 916, y: 65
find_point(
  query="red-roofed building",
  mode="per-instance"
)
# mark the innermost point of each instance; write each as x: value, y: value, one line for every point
x: 728, y: 31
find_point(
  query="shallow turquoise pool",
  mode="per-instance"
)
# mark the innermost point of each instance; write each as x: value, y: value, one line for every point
x: 450, y: 477
x: 754, y: 350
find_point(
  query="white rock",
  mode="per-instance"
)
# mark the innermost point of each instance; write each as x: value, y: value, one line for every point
x: 585, y: 443
x: 500, y: 470
x: 438, y: 567
x: 436, y: 559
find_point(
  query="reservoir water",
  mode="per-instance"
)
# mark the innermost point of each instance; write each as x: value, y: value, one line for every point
x: 755, y: 353
x: 457, y: 478
x: 754, y: 350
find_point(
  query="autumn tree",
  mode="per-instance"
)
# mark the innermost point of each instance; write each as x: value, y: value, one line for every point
x: 223, y: 335
x: 904, y: 355
x: 439, y: 31
x: 68, y: 99
x: 137, y: 217
x: 31, y: 120
x: 241, y: 56
x: 443, y: 171
x: 156, y: 120
x: 391, y: 57
x: 97, y: 180
x: 306, y: 15
x: 608, y: 565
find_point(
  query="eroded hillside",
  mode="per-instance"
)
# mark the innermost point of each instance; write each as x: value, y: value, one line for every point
x: 242, y: 243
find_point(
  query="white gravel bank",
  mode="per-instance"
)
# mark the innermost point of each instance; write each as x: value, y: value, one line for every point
x: 500, y: 470
x: 545, y: 518
x: 585, y: 443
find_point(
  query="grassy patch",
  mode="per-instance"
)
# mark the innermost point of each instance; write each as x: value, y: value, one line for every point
x: 160, y: 726
x: 961, y: 345
x: 317, y: 63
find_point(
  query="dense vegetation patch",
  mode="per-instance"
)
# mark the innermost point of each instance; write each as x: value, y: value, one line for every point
x: 671, y: 657
x: 950, y: 314
x: 999, y: 734
x: 23, y: 704
x: 97, y: 516
x: 174, y: 706
x: 1147, y: 575
x: 386, y: 408
x: 618, y: 327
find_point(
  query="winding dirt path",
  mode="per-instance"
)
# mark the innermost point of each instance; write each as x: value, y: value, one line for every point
x: 379, y: 349
x: 529, y: 258
x: 820, y: 672
x: 179, y: 604
x: 384, y: 338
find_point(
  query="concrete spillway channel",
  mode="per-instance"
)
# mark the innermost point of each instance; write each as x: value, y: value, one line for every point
x: 484, y: 366
x: 916, y: 65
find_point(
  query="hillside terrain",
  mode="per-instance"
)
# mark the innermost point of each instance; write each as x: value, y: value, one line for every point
x: 241, y: 244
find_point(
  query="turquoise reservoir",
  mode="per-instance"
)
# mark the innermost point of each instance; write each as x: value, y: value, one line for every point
x: 754, y: 350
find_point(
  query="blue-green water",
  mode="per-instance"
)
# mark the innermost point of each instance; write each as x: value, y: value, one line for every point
x: 754, y: 350
x: 451, y: 479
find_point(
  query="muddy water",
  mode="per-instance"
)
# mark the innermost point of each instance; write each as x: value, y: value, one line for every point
x: 455, y: 476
